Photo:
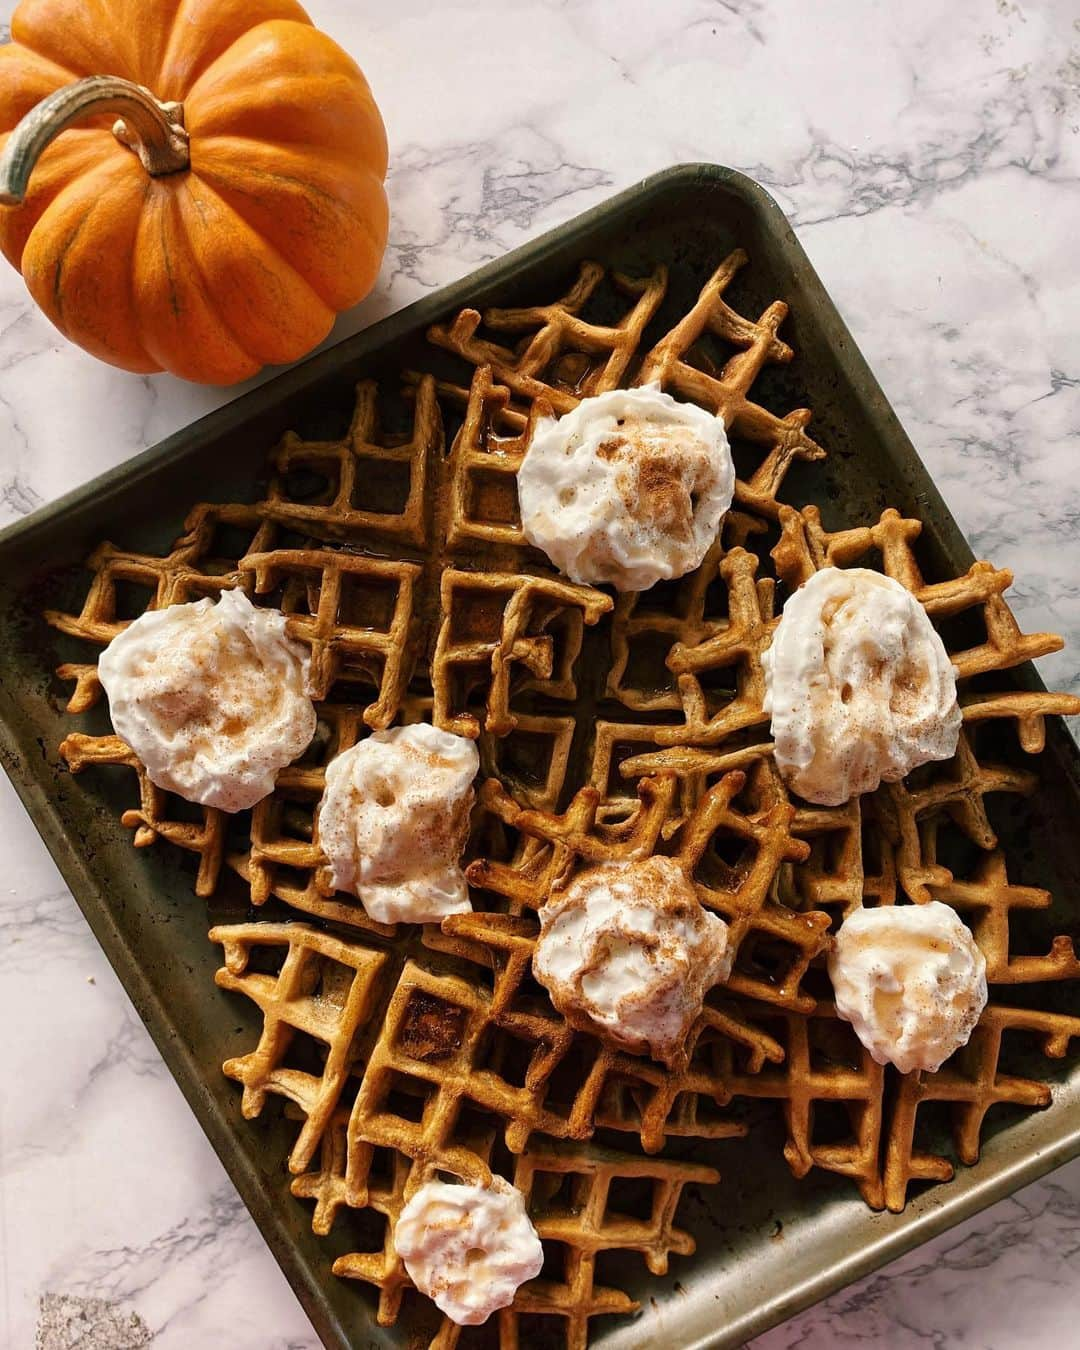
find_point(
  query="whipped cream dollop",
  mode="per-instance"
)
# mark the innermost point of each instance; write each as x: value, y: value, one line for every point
x: 212, y: 697
x: 859, y: 686
x: 468, y: 1247
x: 394, y: 819
x: 911, y: 981
x: 628, y: 952
x: 629, y: 488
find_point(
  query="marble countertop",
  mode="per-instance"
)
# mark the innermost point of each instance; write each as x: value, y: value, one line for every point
x: 929, y: 157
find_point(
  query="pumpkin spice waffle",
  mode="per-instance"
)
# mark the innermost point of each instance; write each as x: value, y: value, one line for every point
x: 407, y: 1111
x: 824, y: 1066
x: 324, y: 989
x: 572, y: 1196
x: 562, y: 358
x: 739, y: 892
x: 608, y: 729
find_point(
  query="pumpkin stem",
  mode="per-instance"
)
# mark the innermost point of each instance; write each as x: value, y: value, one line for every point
x: 155, y: 131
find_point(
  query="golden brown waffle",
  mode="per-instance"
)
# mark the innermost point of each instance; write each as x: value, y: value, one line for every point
x: 497, y: 625
x: 284, y: 858
x: 371, y: 483
x: 570, y: 839
x: 805, y: 546
x: 607, y: 730
x: 452, y: 1042
x: 203, y: 561
x: 325, y: 989
x: 834, y: 875
x: 561, y: 358
x: 482, y: 641
x: 385, y: 1192
x: 646, y: 626
x: 987, y: 902
x: 900, y: 825
x: 958, y: 789
x: 371, y: 1157
x: 604, y: 1087
x: 971, y: 1083
x: 673, y: 657
x: 484, y: 460
x: 434, y: 1047
x: 151, y: 820
x: 772, y: 946
x: 573, y: 1195
x: 877, y: 850
x: 354, y: 614
x: 824, y: 1070
x: 533, y: 759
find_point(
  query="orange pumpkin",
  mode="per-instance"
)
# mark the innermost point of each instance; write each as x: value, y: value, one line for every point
x: 208, y: 238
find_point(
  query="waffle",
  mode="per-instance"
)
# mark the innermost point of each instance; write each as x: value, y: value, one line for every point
x: 197, y: 565
x: 324, y: 989
x: 561, y: 358
x: 845, y: 1114
x: 771, y: 945
x: 370, y: 483
x: 607, y: 729
x: 151, y: 820
x: 372, y: 624
x: 610, y: 1089
x: 823, y: 1062
x: 368, y: 1156
x: 978, y: 595
x: 569, y: 1194
x: 697, y: 650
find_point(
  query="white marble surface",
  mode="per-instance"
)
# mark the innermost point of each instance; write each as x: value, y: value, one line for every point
x: 929, y: 156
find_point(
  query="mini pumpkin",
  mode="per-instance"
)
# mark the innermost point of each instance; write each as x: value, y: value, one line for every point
x: 233, y: 209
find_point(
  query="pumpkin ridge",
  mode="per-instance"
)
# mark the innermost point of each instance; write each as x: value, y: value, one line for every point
x: 221, y: 112
x: 198, y: 276
x: 209, y: 74
x: 167, y: 263
x: 330, y: 222
x: 180, y: 35
x: 301, y: 147
x: 143, y: 39
x: 304, y: 184
x: 181, y: 327
x: 48, y: 182
x: 346, y: 162
x: 66, y: 71
x: 36, y: 29
x: 284, y: 264
x: 70, y: 240
x: 228, y: 193
x: 69, y: 274
x: 58, y: 271
x: 44, y: 67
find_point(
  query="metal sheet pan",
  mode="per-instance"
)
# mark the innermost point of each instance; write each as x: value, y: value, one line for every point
x: 768, y: 1245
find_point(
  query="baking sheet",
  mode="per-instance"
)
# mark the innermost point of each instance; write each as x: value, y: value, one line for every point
x: 768, y: 1245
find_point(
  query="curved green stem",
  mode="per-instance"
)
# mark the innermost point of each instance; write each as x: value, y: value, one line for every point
x: 155, y: 131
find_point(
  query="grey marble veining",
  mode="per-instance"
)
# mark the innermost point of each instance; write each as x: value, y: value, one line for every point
x: 929, y: 156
